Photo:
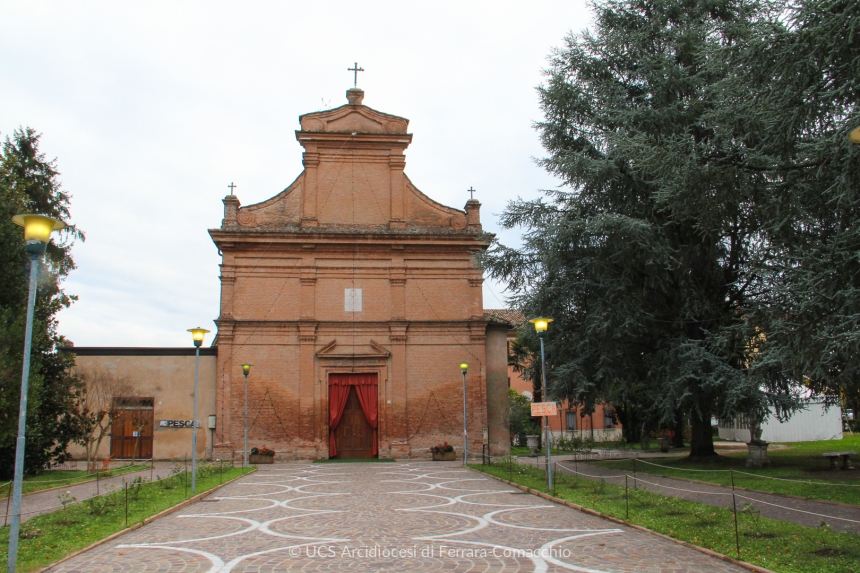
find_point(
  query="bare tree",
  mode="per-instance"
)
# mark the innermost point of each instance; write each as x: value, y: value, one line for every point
x: 98, y: 407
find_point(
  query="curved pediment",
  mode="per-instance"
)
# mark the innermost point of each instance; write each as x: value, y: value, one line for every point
x: 353, y: 180
x: 353, y: 118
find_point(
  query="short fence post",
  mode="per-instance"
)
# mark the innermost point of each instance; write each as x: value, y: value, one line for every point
x: 151, y: 466
x: 185, y: 476
x: 126, y: 504
x: 575, y: 468
x: 220, y: 470
x: 634, y: 473
x: 735, y: 511
x: 626, y: 500
x: 97, y: 482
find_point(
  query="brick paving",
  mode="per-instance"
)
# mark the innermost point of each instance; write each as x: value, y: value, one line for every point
x: 807, y: 512
x: 419, y: 516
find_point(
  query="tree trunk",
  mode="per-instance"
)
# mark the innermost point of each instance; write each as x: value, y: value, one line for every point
x: 701, y: 436
x: 631, y: 427
x: 678, y: 428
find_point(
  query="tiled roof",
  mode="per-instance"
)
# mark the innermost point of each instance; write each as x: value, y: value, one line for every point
x: 505, y: 315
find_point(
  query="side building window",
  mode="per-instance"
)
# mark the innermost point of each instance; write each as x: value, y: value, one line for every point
x: 571, y: 420
x: 608, y: 422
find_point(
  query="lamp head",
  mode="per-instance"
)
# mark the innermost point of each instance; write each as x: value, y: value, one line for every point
x: 464, y: 366
x: 854, y: 136
x: 197, y: 334
x: 541, y: 324
x: 37, y: 231
x: 246, y: 368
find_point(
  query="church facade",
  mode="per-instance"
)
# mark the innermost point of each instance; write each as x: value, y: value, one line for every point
x: 355, y: 297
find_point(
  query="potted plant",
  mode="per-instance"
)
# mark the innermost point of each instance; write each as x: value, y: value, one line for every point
x: 665, y: 438
x: 443, y: 452
x: 261, y: 456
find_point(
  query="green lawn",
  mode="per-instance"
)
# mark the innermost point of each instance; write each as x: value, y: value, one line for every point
x: 55, y: 478
x: 523, y: 451
x: 779, y: 546
x: 801, y: 461
x: 47, y: 538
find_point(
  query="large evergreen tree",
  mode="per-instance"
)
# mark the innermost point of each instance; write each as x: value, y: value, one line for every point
x: 805, y: 79
x: 29, y: 184
x: 649, y: 259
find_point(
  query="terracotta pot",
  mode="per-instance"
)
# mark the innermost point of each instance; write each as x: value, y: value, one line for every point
x: 260, y: 459
x: 444, y: 456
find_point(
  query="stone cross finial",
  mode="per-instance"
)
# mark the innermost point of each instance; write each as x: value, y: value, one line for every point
x: 355, y: 69
x: 231, y: 186
x: 471, y: 192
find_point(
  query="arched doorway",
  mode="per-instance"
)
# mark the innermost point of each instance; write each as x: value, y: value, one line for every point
x: 353, y: 415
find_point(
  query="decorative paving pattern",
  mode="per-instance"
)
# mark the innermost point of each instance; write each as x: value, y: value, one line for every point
x: 422, y: 516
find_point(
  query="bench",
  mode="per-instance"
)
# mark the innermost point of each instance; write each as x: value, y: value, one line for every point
x: 846, y: 457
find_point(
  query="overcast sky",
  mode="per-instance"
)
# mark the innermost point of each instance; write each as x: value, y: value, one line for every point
x: 153, y: 108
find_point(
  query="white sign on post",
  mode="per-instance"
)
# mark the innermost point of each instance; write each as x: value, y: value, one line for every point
x: 544, y: 409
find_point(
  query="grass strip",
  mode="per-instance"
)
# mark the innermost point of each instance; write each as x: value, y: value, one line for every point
x: 47, y: 538
x: 776, y: 545
x: 353, y: 461
x: 802, y: 461
x: 64, y: 478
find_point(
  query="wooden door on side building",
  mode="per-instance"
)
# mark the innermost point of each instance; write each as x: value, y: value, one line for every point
x: 132, y: 426
x: 354, y: 435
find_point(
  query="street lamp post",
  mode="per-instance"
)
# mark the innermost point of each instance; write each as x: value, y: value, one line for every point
x: 541, y: 324
x: 197, y: 334
x: 246, y: 369
x: 464, y: 367
x: 37, y: 233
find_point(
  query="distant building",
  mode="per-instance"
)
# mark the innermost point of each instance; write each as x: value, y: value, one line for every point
x: 571, y: 421
x: 813, y: 423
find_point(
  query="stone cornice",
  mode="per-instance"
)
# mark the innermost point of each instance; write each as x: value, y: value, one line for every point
x: 228, y: 239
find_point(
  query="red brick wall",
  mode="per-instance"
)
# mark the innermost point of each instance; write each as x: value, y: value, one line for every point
x: 350, y: 220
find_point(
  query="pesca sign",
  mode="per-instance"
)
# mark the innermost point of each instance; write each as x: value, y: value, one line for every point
x: 544, y: 409
x: 178, y: 423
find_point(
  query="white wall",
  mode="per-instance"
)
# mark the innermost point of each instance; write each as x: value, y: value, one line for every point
x: 810, y: 424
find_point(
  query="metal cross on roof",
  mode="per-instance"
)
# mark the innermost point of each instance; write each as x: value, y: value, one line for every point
x: 471, y: 191
x: 356, y: 69
x: 231, y: 186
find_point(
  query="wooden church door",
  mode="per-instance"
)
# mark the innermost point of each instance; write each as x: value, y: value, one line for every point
x: 353, y: 435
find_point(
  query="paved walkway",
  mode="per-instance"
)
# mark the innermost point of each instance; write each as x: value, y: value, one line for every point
x: 806, y: 512
x: 419, y: 516
x: 40, y: 502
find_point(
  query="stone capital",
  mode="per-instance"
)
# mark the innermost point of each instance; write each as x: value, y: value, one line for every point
x: 310, y: 159
x: 307, y: 331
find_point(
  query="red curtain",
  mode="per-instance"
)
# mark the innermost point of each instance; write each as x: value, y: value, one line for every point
x: 338, y: 391
x: 367, y: 397
x: 337, y: 395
